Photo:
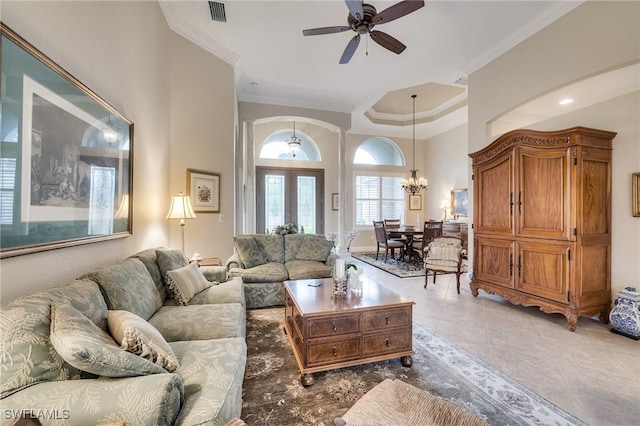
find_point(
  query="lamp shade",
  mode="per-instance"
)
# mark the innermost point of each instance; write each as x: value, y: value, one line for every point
x: 181, y: 208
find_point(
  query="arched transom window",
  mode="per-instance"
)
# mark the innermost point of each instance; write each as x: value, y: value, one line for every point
x: 380, y: 151
x: 276, y: 147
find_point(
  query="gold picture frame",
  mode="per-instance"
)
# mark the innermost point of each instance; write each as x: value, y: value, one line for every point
x: 635, y: 194
x: 415, y: 202
x: 459, y: 202
x: 70, y: 159
x: 204, y: 190
x: 335, y: 201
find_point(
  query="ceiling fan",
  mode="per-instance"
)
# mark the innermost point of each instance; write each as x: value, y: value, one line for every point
x: 362, y: 18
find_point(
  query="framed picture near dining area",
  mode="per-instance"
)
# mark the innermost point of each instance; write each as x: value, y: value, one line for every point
x: 415, y: 202
x: 459, y: 202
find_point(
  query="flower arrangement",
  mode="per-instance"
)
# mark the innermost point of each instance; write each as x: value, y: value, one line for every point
x: 331, y: 236
x: 349, y: 237
x: 287, y: 228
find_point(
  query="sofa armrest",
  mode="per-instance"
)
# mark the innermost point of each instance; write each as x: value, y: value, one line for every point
x: 234, y: 262
x: 214, y: 273
x: 154, y: 399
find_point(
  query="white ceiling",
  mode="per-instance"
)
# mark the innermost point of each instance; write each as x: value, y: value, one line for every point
x: 276, y: 64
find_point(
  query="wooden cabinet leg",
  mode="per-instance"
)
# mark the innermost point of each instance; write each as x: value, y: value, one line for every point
x: 306, y: 379
x: 406, y: 361
x: 604, y: 316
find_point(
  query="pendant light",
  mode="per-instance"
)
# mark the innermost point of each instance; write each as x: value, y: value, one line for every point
x: 294, y: 142
x: 414, y: 184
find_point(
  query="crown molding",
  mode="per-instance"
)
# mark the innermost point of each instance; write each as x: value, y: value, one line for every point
x: 180, y: 26
x: 525, y: 32
x: 289, y: 102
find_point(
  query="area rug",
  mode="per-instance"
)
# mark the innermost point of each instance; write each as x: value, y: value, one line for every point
x: 273, y: 395
x: 403, y: 269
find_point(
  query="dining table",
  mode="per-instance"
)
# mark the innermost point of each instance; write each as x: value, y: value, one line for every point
x: 409, y: 232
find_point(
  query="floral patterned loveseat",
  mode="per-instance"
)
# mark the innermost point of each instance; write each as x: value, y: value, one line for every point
x: 183, y: 364
x: 265, y: 261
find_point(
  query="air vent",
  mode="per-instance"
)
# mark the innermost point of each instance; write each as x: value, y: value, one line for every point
x: 217, y: 11
x: 462, y: 81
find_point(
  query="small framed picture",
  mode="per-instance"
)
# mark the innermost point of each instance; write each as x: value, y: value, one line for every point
x: 415, y: 202
x: 335, y: 201
x: 204, y: 190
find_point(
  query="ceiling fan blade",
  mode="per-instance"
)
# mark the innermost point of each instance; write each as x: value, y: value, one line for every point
x: 396, y: 11
x: 325, y: 30
x: 355, y: 7
x: 350, y: 49
x: 388, y: 42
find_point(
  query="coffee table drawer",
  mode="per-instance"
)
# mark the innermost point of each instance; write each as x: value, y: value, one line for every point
x: 333, y: 351
x: 333, y: 326
x: 398, y: 340
x: 388, y: 318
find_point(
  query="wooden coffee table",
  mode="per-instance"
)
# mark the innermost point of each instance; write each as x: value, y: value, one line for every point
x: 328, y: 332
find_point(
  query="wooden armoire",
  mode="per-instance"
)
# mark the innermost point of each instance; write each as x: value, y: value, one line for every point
x: 542, y: 220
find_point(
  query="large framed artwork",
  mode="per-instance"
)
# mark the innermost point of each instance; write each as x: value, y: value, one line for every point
x: 65, y: 157
x: 459, y: 202
x: 204, y: 190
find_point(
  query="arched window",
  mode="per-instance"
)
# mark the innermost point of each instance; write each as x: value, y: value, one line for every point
x: 276, y: 147
x: 379, y: 150
x: 378, y: 195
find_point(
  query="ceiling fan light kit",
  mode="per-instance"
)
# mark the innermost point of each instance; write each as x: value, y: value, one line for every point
x: 362, y: 18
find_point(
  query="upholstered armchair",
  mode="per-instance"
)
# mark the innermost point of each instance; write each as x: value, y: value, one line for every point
x: 444, y: 255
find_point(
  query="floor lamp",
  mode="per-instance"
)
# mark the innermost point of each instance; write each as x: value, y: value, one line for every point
x: 181, y: 209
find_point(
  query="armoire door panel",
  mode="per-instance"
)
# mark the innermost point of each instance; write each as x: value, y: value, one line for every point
x: 595, y: 197
x: 494, y: 189
x: 543, y: 269
x: 543, y: 194
x: 494, y: 261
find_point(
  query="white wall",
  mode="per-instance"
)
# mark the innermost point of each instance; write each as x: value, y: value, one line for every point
x: 593, y: 38
x: 202, y: 110
x: 447, y: 166
x: 118, y: 50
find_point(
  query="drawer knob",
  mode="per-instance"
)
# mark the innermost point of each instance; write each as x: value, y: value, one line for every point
x: 335, y: 327
x: 387, y: 342
x: 386, y: 320
x: 335, y: 351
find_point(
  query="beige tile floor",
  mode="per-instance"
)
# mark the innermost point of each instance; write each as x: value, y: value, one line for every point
x: 593, y: 374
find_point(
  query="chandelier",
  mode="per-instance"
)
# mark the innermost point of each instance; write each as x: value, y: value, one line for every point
x: 414, y: 184
x: 294, y: 142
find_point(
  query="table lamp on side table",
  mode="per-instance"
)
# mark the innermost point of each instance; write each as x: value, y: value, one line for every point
x: 181, y: 209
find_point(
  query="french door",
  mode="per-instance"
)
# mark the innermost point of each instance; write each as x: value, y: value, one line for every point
x: 285, y: 195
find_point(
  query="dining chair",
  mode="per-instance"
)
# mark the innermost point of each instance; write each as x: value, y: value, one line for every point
x: 390, y: 225
x: 444, y: 255
x: 431, y: 229
x: 384, y: 242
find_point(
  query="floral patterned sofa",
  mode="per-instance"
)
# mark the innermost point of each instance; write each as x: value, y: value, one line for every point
x: 62, y: 361
x: 265, y: 261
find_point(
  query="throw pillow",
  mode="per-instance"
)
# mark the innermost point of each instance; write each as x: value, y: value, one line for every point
x: 312, y: 248
x: 87, y: 347
x: 184, y: 283
x: 141, y: 338
x: 249, y: 252
x: 168, y: 260
x: 128, y: 286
